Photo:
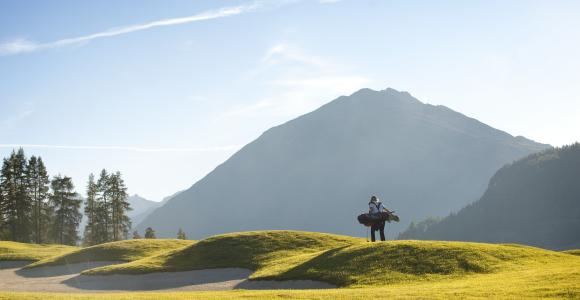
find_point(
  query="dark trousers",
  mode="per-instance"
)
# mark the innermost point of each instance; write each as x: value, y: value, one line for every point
x: 380, y: 227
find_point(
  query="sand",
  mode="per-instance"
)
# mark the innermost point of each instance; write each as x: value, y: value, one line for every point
x: 68, y: 279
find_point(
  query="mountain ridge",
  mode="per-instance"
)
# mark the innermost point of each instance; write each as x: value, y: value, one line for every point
x: 531, y: 201
x: 372, y: 142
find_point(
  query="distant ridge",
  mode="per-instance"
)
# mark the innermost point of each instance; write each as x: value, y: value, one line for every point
x: 534, y: 201
x: 316, y: 172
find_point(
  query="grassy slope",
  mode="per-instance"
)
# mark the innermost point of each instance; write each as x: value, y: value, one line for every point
x: 401, y: 269
x: 573, y: 252
x: 128, y: 250
x: 351, y: 262
x: 550, y: 277
x: 33, y: 252
x: 252, y: 250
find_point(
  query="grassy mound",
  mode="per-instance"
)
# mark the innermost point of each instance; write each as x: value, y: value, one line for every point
x: 252, y: 250
x: 128, y: 250
x: 573, y: 252
x: 395, y: 269
x: 33, y: 252
x: 344, y: 261
x: 367, y: 264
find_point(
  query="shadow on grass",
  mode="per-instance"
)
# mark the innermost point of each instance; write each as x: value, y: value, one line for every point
x: 382, y: 262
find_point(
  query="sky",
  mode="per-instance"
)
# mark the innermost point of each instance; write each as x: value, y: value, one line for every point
x: 165, y: 91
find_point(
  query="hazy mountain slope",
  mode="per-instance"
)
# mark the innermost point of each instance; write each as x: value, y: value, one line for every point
x: 317, y: 171
x: 141, y: 208
x: 533, y: 201
x: 136, y: 218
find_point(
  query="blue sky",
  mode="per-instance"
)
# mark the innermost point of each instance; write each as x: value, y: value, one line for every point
x: 164, y: 91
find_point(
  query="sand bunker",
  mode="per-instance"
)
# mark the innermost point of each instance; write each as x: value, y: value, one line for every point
x: 67, y: 279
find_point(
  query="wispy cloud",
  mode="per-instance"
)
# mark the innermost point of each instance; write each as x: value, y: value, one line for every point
x: 294, y: 82
x: 19, y: 46
x: 124, y: 148
x: 24, y: 111
x: 284, y: 52
x: 340, y: 84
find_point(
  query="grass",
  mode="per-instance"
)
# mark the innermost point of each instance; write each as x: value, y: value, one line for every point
x: 251, y: 250
x: 343, y: 261
x: 31, y: 252
x: 573, y: 252
x: 395, y: 269
x: 128, y: 250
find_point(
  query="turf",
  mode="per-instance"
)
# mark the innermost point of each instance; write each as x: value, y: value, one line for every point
x: 31, y: 252
x: 128, y: 250
x: 395, y: 269
x: 251, y: 250
x: 573, y: 252
x: 349, y: 262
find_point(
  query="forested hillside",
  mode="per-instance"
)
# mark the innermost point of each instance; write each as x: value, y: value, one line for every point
x: 534, y: 201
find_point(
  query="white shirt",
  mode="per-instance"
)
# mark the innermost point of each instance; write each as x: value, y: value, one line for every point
x: 376, y: 207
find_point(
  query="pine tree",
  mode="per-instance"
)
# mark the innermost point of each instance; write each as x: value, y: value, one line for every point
x: 149, y: 233
x: 16, y: 204
x: 106, y: 209
x: 65, y: 203
x: 121, y: 223
x: 103, y: 208
x: 181, y: 234
x: 37, y: 189
x: 136, y: 235
x: 3, y: 227
x: 92, y: 234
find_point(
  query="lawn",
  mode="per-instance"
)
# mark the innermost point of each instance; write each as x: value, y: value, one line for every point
x: 128, y: 250
x: 400, y: 269
x: 31, y: 252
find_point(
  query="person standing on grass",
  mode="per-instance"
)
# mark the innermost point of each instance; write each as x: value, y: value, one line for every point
x: 375, y: 208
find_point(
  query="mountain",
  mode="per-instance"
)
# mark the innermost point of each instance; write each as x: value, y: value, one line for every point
x: 317, y: 172
x: 142, y: 207
x: 534, y: 201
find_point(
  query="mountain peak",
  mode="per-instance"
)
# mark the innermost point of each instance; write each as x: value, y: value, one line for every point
x: 390, y: 95
x: 423, y: 159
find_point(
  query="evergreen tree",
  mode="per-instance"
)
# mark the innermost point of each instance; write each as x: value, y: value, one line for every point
x: 121, y: 223
x: 37, y: 190
x: 136, y: 235
x: 106, y: 209
x: 3, y: 227
x: 65, y: 203
x: 92, y: 234
x: 103, y: 208
x: 149, y: 233
x: 16, y: 204
x: 181, y: 234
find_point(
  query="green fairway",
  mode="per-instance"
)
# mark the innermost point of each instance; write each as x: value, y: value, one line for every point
x: 362, y: 270
x: 128, y: 250
x: 31, y: 252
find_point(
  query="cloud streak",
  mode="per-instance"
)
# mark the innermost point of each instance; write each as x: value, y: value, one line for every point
x: 124, y: 148
x: 20, y: 46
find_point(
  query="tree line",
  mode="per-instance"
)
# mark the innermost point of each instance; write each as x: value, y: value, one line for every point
x: 150, y: 234
x: 37, y: 209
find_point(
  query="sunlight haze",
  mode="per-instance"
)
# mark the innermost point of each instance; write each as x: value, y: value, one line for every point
x: 165, y: 91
